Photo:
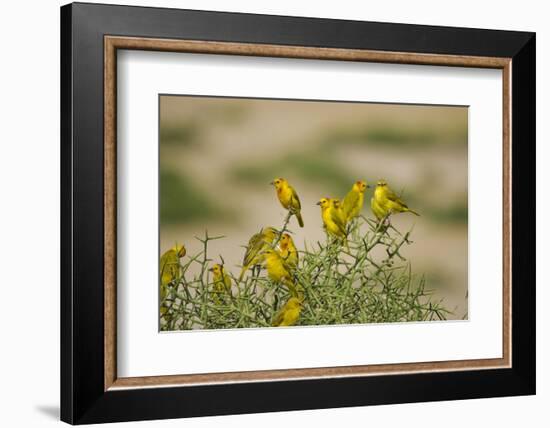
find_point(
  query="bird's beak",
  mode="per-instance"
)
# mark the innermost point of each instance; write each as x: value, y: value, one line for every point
x: 271, y: 183
x: 318, y: 203
x: 368, y: 186
x: 211, y: 269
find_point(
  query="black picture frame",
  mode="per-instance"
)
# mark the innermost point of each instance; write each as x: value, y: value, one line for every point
x: 83, y: 398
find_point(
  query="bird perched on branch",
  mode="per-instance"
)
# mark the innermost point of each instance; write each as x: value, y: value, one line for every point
x: 257, y: 243
x: 333, y: 218
x: 278, y: 271
x: 222, y: 281
x: 288, y: 198
x: 288, y: 251
x: 170, y: 271
x: 385, y: 202
x: 353, y: 201
x: 337, y: 213
x: 289, y: 313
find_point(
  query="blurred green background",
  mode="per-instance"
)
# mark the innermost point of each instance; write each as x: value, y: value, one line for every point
x: 218, y: 155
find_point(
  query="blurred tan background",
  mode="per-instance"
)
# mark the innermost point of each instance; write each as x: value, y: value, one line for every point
x: 218, y: 155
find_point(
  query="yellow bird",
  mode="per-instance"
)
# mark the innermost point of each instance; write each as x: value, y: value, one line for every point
x: 289, y: 313
x: 353, y: 201
x: 170, y: 271
x: 385, y: 202
x: 337, y: 213
x: 288, y: 251
x: 222, y: 281
x: 339, y: 218
x: 277, y: 269
x: 259, y: 242
x: 332, y: 218
x: 288, y: 198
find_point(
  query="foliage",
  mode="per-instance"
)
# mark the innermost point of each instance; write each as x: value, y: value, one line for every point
x: 370, y: 283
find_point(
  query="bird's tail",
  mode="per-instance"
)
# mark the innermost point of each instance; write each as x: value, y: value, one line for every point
x: 346, y: 244
x: 414, y: 212
x: 299, y: 218
x: 294, y: 288
x: 243, y: 271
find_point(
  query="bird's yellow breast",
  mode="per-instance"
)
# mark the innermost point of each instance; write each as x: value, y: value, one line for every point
x: 284, y: 194
x: 290, y: 317
x: 330, y: 225
x: 379, y: 193
x: 377, y: 209
x: 275, y: 267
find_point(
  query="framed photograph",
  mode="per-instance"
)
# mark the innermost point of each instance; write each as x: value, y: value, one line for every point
x: 266, y: 213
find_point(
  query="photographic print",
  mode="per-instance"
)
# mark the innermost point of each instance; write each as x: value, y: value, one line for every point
x: 283, y: 213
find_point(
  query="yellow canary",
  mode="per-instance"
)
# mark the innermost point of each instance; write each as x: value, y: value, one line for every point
x: 385, y: 202
x: 259, y: 242
x: 353, y: 202
x: 277, y: 270
x: 288, y: 198
x: 337, y: 213
x: 332, y: 218
x: 222, y: 281
x: 339, y: 218
x: 170, y: 270
x: 221, y: 278
x: 289, y: 313
x: 288, y: 252
x: 378, y: 211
